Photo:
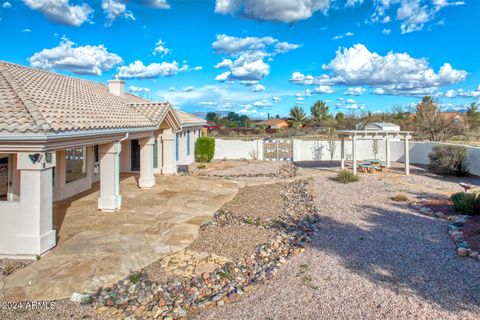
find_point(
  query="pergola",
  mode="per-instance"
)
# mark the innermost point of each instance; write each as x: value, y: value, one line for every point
x: 356, y: 135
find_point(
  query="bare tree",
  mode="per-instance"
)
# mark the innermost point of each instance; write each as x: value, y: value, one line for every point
x: 332, y: 142
x: 433, y: 124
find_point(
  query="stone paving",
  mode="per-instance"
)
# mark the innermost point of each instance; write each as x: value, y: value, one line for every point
x: 97, y: 249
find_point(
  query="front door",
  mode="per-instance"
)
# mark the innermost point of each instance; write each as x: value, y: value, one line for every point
x: 135, y: 155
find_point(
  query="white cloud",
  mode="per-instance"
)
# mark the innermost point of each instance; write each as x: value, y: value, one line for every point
x: 245, y: 57
x: 197, y: 68
x: 341, y: 36
x: 61, y: 11
x: 258, y: 88
x: 6, y: 5
x: 323, y: 89
x: 262, y: 103
x: 394, y: 73
x: 276, y: 99
x: 160, y: 48
x: 136, y: 89
x: 188, y: 89
x: 157, y: 4
x: 352, y: 3
x: 77, y: 59
x: 114, y: 9
x: 282, y: 10
x: 461, y: 93
x: 355, y: 91
x: 27, y: 30
x: 386, y: 31
x: 138, y: 70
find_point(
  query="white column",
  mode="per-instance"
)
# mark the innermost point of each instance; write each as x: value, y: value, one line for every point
x: 387, y: 152
x: 354, y: 154
x: 407, y: 155
x: 168, y: 142
x: 35, y: 229
x: 342, y: 153
x: 147, y: 179
x: 110, y: 198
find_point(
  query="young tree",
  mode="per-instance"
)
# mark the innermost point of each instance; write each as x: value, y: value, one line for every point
x: 473, y: 116
x: 432, y: 123
x: 332, y: 142
x: 375, y: 148
x: 340, y: 119
x: 298, y: 116
x: 319, y: 111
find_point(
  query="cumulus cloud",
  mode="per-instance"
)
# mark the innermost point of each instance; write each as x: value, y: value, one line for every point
x: 258, y: 88
x: 157, y: 4
x: 114, y: 9
x: 136, y: 89
x: 355, y: 91
x: 140, y: 71
x: 6, y: 5
x: 323, y: 89
x: 282, y: 10
x: 77, y: 59
x: 61, y: 11
x: 461, y: 93
x: 386, y: 31
x: 394, y: 73
x: 245, y: 59
x: 341, y: 36
x: 160, y: 48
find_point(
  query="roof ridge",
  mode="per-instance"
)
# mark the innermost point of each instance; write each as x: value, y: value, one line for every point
x: 189, y: 114
x: 27, y: 102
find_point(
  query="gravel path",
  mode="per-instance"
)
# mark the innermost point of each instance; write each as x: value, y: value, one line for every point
x: 373, y: 260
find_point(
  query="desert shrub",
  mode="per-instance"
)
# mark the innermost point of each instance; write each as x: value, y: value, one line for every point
x: 449, y: 159
x: 135, y: 278
x: 400, y: 197
x: 204, y: 149
x: 468, y: 203
x: 346, y: 176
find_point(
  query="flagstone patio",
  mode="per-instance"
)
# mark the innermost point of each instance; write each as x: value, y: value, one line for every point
x: 95, y: 248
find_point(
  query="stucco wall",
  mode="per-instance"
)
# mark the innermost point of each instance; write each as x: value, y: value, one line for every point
x: 183, y: 156
x: 237, y: 149
x: 318, y: 150
x: 9, y: 226
x: 62, y: 189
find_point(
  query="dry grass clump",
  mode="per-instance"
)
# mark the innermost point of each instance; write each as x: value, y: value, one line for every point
x: 400, y: 197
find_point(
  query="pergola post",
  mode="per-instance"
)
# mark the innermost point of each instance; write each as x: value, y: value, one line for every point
x: 354, y: 154
x: 387, y: 152
x: 407, y: 155
x: 342, y: 152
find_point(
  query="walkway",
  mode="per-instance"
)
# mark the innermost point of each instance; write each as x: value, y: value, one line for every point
x: 373, y: 259
x: 96, y: 249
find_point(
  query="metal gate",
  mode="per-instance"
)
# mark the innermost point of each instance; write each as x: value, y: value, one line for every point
x: 278, y: 150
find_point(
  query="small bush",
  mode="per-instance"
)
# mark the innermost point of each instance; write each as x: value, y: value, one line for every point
x: 87, y: 300
x: 346, y: 176
x: 449, y: 159
x: 135, y: 278
x: 468, y: 203
x: 204, y: 149
x: 400, y: 197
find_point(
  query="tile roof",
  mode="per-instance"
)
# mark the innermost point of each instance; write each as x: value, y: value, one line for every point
x: 270, y: 122
x: 39, y: 101
x: 186, y: 118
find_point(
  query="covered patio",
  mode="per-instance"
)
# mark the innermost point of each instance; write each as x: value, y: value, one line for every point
x: 96, y: 249
x: 383, y: 135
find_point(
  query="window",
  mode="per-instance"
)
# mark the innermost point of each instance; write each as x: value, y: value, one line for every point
x: 155, y: 154
x: 188, y: 143
x: 95, y: 153
x: 176, y: 146
x: 75, y: 164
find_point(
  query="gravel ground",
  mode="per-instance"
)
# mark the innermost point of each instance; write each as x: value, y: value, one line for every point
x: 241, y: 167
x: 233, y: 242
x: 260, y: 201
x: 373, y: 260
x: 63, y: 309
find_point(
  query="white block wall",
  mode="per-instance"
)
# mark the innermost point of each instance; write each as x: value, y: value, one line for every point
x: 237, y: 149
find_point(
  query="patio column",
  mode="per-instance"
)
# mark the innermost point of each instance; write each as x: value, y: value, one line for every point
x: 147, y: 179
x: 407, y: 155
x: 35, y: 228
x: 342, y: 153
x: 387, y: 152
x: 168, y: 141
x: 110, y: 198
x: 354, y: 154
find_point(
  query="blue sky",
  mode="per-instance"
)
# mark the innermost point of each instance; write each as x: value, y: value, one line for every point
x: 257, y: 56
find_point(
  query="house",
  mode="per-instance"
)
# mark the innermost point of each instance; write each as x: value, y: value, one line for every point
x: 59, y: 135
x: 273, y: 123
x: 382, y: 126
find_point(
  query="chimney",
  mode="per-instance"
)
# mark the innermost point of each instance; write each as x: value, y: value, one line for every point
x: 116, y: 87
